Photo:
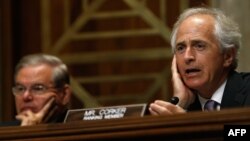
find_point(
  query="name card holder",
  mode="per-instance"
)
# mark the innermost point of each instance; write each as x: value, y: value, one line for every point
x: 102, y: 113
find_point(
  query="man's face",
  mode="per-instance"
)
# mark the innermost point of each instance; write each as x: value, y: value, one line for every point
x: 33, y: 78
x: 199, y: 58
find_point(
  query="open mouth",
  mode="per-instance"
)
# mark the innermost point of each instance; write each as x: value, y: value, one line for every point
x: 193, y: 70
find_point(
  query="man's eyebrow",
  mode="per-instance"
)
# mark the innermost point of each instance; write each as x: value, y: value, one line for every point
x: 180, y: 43
x: 38, y: 83
x: 17, y: 83
x: 198, y: 41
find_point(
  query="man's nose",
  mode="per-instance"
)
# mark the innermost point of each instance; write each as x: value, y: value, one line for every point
x: 27, y: 94
x: 189, y: 55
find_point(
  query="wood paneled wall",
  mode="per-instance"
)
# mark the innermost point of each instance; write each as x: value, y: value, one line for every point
x: 112, y: 76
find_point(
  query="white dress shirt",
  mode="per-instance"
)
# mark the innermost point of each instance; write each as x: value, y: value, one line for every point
x: 217, y: 96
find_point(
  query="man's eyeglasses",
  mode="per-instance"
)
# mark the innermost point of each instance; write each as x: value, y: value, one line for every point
x: 37, y: 89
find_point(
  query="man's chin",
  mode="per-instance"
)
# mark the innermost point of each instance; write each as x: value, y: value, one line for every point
x: 193, y: 85
x: 27, y: 110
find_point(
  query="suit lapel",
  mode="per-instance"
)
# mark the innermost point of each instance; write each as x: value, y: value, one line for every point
x: 233, y: 95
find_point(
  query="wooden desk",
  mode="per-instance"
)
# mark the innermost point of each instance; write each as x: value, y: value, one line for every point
x: 192, y: 126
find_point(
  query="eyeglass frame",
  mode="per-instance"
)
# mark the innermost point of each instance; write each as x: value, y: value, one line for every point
x: 34, y: 89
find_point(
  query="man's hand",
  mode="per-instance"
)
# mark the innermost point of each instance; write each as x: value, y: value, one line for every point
x: 30, y: 118
x: 185, y: 95
x: 160, y: 107
x: 181, y: 91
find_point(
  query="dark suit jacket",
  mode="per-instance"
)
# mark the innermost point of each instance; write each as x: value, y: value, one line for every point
x: 10, y: 123
x: 236, y: 93
x: 56, y: 119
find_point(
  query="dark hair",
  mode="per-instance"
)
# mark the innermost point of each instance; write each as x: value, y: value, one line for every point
x: 60, y: 74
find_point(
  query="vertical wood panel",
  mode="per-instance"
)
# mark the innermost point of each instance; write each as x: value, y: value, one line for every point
x: 26, y: 26
x: 6, y: 103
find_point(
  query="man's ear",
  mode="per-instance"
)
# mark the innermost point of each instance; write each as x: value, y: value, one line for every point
x: 66, y: 94
x: 229, y: 56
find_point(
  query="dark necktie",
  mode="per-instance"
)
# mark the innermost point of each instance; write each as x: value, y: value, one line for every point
x: 211, y: 105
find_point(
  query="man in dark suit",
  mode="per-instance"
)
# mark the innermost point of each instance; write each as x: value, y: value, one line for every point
x: 236, y: 93
x: 41, y: 89
x: 205, y: 44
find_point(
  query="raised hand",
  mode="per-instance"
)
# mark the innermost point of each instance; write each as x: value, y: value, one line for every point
x: 30, y: 118
x: 185, y: 95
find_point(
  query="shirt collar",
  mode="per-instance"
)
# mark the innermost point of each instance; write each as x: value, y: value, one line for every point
x: 217, y: 96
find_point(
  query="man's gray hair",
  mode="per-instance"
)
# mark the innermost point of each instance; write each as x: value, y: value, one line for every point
x: 60, y: 72
x: 226, y: 30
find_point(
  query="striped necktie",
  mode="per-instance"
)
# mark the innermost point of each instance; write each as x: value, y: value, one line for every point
x: 211, y: 105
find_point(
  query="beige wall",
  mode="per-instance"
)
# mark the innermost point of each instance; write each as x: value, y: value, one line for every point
x: 239, y: 10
